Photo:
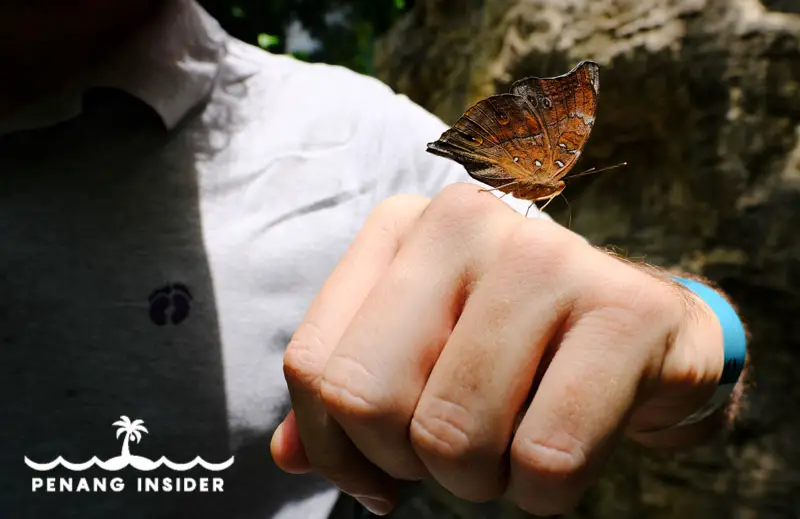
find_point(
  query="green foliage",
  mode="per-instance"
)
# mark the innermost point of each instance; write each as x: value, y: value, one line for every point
x: 266, y: 41
x: 346, y: 30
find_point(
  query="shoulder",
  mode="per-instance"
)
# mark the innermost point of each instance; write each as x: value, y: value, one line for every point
x: 316, y: 91
x: 288, y: 104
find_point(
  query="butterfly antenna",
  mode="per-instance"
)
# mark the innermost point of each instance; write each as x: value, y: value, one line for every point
x: 592, y: 171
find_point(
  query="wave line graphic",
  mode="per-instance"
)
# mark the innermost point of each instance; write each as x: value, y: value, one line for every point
x: 138, y: 462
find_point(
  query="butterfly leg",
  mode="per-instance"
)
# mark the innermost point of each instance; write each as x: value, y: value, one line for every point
x: 548, y: 201
x: 529, y: 208
x: 497, y: 188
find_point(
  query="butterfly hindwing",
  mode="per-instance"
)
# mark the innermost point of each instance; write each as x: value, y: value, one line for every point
x: 567, y: 105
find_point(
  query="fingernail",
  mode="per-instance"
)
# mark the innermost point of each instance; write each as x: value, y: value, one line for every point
x: 375, y: 505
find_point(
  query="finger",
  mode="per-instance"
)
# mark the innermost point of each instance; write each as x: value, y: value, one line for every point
x: 328, y: 449
x: 588, y: 391
x: 688, y: 379
x: 683, y: 437
x: 375, y: 377
x: 287, y: 449
x: 464, y: 420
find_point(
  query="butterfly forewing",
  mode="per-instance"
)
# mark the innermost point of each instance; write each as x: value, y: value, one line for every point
x: 567, y: 105
x: 472, y: 147
x: 497, y: 138
x: 521, y: 135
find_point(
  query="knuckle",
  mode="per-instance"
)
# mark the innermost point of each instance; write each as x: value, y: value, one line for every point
x: 393, y: 216
x: 442, y: 431
x: 656, y: 299
x: 624, y: 296
x: 460, y: 205
x: 347, y: 388
x: 460, y: 193
x: 538, y: 246
x: 302, y: 365
x: 641, y: 297
x: 395, y: 203
x: 390, y: 208
x: 545, y: 461
x: 557, y: 471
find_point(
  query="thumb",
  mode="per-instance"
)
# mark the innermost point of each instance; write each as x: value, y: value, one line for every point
x: 287, y: 448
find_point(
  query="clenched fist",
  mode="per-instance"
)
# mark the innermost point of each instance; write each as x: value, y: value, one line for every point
x: 499, y: 355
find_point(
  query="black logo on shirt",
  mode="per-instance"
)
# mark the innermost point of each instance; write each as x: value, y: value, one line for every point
x: 170, y: 303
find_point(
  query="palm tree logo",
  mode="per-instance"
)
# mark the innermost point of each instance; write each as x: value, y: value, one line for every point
x: 132, y: 430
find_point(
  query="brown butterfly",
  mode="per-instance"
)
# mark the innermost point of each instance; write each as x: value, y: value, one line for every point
x: 524, y: 142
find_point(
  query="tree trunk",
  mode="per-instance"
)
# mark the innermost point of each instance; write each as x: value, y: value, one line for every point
x: 125, y: 448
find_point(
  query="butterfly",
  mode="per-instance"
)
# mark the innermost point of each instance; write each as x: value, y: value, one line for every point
x: 525, y: 142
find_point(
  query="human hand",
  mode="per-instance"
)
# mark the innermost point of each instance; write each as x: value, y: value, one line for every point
x: 499, y: 355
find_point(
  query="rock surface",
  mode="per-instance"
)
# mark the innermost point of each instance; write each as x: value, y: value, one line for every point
x: 702, y: 98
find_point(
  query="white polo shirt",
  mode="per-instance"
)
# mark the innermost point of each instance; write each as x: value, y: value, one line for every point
x: 161, y: 241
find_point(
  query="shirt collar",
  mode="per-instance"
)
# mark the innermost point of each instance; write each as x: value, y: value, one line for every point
x: 171, y: 64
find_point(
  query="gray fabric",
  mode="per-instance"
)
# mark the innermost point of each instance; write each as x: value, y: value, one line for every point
x: 96, y: 217
x: 109, y: 225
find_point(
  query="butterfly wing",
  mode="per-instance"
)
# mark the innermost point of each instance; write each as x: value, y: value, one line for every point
x: 498, y: 140
x: 566, y: 105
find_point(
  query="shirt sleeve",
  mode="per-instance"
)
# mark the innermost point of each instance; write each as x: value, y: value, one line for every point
x: 405, y: 128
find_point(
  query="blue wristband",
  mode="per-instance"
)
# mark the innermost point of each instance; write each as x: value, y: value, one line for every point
x: 734, y: 347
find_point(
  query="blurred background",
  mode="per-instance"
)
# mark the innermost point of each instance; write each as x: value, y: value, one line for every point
x: 702, y: 99
x: 340, y: 32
